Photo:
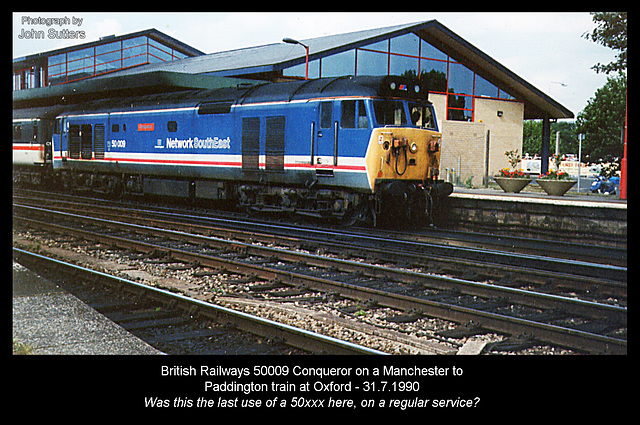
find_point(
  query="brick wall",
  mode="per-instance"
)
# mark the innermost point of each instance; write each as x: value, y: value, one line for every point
x: 506, y: 131
x: 464, y: 143
x: 463, y: 149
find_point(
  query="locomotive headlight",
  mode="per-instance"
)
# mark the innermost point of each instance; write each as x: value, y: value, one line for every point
x: 413, y: 147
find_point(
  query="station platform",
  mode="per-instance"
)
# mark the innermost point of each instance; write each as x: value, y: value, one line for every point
x: 571, y: 198
x: 597, y: 219
x: 49, y: 320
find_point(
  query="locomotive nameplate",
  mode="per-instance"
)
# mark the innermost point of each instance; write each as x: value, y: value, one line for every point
x: 146, y: 126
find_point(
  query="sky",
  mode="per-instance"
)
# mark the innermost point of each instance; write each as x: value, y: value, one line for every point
x: 546, y: 49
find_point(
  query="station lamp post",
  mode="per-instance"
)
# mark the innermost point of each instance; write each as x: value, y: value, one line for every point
x: 292, y: 41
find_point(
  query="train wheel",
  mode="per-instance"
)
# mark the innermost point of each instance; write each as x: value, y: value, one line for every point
x: 364, y: 215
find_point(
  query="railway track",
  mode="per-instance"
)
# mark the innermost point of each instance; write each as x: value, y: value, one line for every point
x: 594, y: 281
x: 176, y: 324
x: 614, y: 256
x: 553, y: 319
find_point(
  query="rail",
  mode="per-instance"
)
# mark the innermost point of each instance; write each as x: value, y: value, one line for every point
x: 458, y: 313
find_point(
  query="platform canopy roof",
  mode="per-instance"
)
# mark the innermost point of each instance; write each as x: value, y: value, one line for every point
x: 123, y: 86
x: 262, y: 60
x: 27, y: 61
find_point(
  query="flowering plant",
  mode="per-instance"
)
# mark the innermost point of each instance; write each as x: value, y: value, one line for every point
x: 513, y: 157
x: 506, y: 172
x: 555, y: 175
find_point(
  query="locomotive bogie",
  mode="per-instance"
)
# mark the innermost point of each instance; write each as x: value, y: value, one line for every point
x: 308, y: 201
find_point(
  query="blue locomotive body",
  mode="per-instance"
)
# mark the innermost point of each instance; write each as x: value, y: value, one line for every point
x: 320, y: 147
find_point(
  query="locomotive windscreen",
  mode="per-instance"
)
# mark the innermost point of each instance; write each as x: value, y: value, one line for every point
x: 389, y: 112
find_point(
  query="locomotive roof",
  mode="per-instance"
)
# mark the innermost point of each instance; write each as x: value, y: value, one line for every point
x: 363, y: 86
x: 377, y: 86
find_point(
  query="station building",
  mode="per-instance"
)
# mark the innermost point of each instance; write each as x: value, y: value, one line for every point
x: 480, y: 104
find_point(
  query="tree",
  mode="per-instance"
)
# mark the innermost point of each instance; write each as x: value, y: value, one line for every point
x: 532, y: 137
x: 611, y: 31
x: 602, y: 121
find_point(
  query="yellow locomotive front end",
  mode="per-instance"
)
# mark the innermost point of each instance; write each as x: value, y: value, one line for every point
x: 403, y: 153
x: 403, y: 157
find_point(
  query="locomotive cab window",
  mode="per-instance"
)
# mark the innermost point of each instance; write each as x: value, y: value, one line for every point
x: 389, y: 112
x: 354, y: 114
x: 172, y: 126
x: 422, y: 115
x: 326, y: 111
x: 348, y: 119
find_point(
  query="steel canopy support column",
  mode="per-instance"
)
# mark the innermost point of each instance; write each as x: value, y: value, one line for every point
x: 546, y: 135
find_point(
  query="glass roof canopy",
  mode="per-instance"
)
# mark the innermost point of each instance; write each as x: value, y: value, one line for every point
x: 447, y: 63
x: 88, y: 60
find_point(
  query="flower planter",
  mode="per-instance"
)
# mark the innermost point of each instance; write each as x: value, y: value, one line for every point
x: 556, y: 187
x: 512, y: 185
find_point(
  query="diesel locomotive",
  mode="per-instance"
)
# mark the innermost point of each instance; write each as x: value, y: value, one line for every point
x: 355, y: 148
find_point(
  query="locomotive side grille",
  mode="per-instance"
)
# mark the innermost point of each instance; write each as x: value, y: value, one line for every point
x: 74, y: 141
x: 86, y: 141
x: 250, y: 143
x: 274, y: 143
x: 98, y: 141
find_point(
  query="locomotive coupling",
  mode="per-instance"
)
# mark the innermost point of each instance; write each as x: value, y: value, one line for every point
x: 402, y: 201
